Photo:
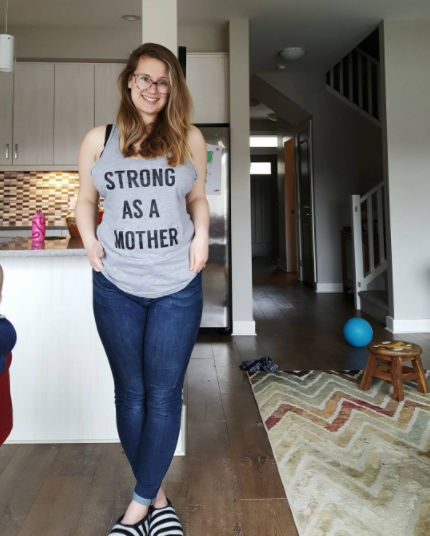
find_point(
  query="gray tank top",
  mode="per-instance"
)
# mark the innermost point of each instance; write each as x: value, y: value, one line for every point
x: 146, y: 230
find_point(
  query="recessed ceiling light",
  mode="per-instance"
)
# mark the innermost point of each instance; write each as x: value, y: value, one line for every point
x: 131, y: 17
x: 281, y: 67
x: 292, y: 53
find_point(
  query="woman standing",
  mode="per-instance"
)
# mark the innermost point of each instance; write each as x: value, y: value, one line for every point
x: 147, y: 256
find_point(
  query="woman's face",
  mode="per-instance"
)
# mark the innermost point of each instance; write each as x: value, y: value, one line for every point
x: 149, y: 102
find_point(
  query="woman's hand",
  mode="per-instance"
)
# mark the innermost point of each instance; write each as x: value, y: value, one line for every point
x: 199, y: 252
x: 95, y: 252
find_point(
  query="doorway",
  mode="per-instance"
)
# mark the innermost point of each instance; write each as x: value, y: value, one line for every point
x: 264, y: 207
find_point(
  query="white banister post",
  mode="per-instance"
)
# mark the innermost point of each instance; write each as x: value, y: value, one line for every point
x: 357, y: 247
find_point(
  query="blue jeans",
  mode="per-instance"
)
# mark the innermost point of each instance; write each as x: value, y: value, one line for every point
x: 148, y: 343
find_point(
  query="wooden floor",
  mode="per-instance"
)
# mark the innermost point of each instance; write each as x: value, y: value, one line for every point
x: 228, y: 484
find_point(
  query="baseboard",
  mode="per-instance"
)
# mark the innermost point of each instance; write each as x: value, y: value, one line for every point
x: 329, y: 287
x: 419, y: 325
x: 244, y: 327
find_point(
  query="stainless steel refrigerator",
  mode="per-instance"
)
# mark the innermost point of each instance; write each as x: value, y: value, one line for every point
x: 216, y: 275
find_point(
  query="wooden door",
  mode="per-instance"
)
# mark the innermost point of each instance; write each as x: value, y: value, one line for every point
x: 305, y: 200
x: 6, y: 107
x: 33, y: 114
x: 264, y: 209
x: 74, y: 109
x: 107, y: 95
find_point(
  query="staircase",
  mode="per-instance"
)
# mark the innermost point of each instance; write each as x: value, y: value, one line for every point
x: 355, y: 80
x: 375, y: 304
x: 369, y: 253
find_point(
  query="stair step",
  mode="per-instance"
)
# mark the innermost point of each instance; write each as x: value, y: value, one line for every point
x: 375, y: 304
x: 375, y: 297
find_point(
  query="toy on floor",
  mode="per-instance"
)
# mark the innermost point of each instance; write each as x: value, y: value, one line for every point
x: 358, y: 332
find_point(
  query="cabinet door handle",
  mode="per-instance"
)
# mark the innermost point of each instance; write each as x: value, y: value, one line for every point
x: 7, y: 151
x: 16, y: 151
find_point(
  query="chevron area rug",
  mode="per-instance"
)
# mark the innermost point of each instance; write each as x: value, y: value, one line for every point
x: 353, y: 463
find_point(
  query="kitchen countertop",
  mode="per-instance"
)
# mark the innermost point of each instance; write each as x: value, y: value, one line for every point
x: 24, y: 247
x: 28, y: 228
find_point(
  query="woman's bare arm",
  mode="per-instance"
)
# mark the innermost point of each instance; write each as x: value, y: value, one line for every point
x: 86, y: 210
x: 197, y: 204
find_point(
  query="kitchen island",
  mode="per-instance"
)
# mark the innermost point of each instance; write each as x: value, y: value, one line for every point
x: 61, y: 382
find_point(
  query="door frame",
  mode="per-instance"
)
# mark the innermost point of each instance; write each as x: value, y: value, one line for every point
x: 308, y: 125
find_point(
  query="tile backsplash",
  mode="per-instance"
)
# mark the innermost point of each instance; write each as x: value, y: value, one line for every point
x: 23, y: 192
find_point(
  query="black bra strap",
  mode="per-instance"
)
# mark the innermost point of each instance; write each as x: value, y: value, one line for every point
x: 108, y: 129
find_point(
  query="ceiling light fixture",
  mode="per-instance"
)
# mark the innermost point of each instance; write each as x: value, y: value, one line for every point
x: 7, y: 59
x: 292, y: 53
x: 280, y: 67
x: 131, y: 17
x: 272, y: 117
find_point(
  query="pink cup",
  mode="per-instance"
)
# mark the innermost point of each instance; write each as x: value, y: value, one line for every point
x: 38, y: 227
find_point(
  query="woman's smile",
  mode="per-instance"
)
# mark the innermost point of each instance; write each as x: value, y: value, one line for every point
x: 149, y: 99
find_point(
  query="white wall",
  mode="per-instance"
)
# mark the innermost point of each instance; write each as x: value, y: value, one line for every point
x: 347, y: 154
x: 405, y: 54
x: 50, y: 42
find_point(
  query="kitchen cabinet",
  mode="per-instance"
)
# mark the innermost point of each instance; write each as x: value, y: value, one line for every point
x: 74, y: 109
x: 107, y: 95
x: 61, y: 383
x: 33, y: 114
x: 208, y: 82
x: 6, y: 98
x: 47, y: 108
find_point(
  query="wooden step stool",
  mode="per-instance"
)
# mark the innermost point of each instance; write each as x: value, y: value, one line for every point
x: 393, y: 370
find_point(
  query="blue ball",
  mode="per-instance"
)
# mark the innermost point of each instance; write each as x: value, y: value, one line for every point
x: 7, y: 336
x: 358, y: 332
x: 3, y: 364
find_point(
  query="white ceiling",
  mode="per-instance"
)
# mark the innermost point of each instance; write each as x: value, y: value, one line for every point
x: 328, y: 29
x: 260, y: 112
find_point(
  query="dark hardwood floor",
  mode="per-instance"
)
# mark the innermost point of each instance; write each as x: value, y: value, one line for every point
x: 228, y: 484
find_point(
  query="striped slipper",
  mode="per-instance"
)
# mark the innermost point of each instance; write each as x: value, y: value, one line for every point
x: 164, y: 521
x: 141, y: 528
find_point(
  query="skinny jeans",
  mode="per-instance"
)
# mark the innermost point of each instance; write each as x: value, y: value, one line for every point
x: 148, y: 343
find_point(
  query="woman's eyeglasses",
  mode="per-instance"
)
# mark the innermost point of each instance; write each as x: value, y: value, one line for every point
x: 144, y: 82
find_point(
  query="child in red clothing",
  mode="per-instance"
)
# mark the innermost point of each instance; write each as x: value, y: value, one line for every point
x: 6, y: 419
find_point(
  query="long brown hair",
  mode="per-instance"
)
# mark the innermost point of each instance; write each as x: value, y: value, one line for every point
x: 169, y: 132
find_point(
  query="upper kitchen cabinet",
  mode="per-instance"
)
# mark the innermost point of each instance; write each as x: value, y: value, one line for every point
x: 33, y: 117
x: 74, y: 109
x: 107, y: 92
x: 208, y: 82
x: 6, y: 99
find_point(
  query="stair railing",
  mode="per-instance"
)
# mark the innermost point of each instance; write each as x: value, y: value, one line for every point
x: 363, y: 277
x: 356, y: 80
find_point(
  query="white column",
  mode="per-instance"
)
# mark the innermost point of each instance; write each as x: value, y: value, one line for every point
x: 241, y: 247
x: 160, y: 23
x: 405, y: 82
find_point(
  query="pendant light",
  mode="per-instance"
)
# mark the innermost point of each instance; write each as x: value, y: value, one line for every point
x: 7, y: 43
